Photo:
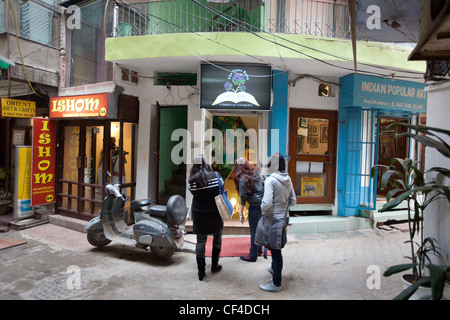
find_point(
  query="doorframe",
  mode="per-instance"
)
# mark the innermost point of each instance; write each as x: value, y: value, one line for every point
x: 156, y: 153
x: 332, y: 117
x: 81, y: 162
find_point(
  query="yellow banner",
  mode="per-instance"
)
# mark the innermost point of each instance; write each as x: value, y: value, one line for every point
x: 22, y: 206
x: 18, y: 108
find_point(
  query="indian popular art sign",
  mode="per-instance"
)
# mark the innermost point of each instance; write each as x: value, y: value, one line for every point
x: 381, y: 93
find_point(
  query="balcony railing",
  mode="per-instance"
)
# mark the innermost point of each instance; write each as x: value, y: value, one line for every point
x: 326, y: 18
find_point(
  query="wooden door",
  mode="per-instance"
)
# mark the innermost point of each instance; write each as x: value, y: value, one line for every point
x: 312, y: 149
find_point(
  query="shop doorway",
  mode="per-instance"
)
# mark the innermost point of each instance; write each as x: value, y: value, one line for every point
x: 312, y: 147
x: 242, y: 132
x: 170, y: 177
x: 390, y: 147
x: 87, y: 151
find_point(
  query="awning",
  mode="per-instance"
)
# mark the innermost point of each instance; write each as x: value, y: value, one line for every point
x: 5, y: 63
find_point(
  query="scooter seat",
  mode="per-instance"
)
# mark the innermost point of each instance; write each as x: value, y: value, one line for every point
x: 158, y: 211
x: 137, y: 204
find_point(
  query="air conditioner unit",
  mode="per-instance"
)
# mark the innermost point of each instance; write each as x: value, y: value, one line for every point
x: 434, y: 31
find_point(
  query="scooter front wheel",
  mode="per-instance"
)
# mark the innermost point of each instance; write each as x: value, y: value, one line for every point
x: 162, y: 253
x: 97, y: 238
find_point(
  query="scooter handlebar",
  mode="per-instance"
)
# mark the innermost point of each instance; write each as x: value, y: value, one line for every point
x: 114, y: 190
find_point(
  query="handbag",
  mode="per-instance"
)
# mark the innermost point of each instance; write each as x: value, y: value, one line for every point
x: 222, y: 202
x: 271, y: 232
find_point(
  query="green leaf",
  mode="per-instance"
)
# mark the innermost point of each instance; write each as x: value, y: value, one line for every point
x: 398, y: 268
x: 408, y: 292
x: 437, y: 275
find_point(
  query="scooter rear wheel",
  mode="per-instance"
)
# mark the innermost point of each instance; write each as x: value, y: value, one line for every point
x: 97, y: 239
x: 162, y: 253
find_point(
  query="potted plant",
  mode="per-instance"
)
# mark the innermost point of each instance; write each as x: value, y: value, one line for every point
x: 5, y: 196
x: 411, y: 186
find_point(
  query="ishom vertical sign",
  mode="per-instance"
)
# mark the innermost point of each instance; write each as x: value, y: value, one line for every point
x: 44, y: 161
x: 371, y: 92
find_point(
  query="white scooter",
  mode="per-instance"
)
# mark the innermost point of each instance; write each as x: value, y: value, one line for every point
x: 158, y: 227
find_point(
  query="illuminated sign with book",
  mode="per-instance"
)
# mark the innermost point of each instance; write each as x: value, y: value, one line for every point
x: 244, y: 87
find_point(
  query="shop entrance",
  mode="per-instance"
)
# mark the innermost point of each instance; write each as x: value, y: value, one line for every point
x: 242, y: 132
x: 87, y: 151
x: 390, y: 147
x: 170, y: 177
x: 312, y: 146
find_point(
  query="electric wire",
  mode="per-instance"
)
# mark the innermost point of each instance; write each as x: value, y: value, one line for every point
x: 20, y: 51
x: 241, y: 23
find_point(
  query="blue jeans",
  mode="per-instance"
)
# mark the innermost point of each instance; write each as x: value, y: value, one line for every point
x: 254, y: 214
x: 277, y: 266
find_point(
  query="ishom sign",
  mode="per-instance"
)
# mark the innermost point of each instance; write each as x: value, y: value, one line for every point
x: 371, y: 92
x: 244, y: 87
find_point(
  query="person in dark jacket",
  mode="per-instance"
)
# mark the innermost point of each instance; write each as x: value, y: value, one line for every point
x: 204, y: 186
x: 250, y: 184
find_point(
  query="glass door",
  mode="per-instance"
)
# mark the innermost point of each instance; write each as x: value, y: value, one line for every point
x: 88, y: 150
x: 312, y: 148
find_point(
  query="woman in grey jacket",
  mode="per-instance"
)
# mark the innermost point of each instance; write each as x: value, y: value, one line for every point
x: 278, y: 196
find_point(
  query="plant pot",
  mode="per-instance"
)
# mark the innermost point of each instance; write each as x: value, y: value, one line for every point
x: 420, y: 292
x: 4, y: 205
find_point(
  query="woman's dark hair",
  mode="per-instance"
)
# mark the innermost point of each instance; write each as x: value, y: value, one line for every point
x: 277, y: 162
x: 244, y: 169
x: 200, y: 172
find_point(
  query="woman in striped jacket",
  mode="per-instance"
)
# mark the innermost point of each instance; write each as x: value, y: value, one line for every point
x: 204, y: 186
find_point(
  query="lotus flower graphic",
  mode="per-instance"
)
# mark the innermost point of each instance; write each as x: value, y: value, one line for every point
x: 235, y: 89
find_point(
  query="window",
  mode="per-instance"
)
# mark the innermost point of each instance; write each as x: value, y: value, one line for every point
x: 88, y: 63
x: 36, y: 20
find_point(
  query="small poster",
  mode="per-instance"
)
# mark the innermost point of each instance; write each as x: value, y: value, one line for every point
x: 312, y: 187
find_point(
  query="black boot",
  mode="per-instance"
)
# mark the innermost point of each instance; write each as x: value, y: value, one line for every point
x: 215, y: 266
x: 201, y: 265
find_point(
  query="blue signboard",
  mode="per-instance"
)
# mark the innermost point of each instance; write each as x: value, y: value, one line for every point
x: 369, y: 92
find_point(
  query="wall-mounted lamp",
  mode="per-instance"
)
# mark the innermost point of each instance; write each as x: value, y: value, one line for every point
x: 324, y: 89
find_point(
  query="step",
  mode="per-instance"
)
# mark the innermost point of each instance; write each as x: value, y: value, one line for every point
x: 327, y: 224
x: 303, y: 225
x: 231, y: 227
x: 68, y: 222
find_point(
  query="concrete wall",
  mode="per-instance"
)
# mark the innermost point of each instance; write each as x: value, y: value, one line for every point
x: 437, y: 216
x: 303, y: 95
x: 41, y: 62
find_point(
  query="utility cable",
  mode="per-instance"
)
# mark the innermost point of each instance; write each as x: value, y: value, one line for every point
x: 20, y: 51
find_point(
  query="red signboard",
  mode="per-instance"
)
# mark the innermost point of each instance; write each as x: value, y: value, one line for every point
x: 85, y: 106
x: 43, y: 169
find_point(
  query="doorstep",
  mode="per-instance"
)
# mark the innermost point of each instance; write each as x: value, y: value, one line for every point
x: 230, y: 227
x: 327, y: 224
x: 68, y: 222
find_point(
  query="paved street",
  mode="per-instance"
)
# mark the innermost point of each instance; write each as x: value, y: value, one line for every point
x: 320, y: 266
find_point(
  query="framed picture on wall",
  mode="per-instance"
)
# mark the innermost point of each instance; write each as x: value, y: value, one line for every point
x: 324, y: 133
x: 314, y: 142
x: 313, y: 131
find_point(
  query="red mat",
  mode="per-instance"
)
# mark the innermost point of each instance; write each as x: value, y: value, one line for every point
x: 10, y: 242
x: 231, y: 247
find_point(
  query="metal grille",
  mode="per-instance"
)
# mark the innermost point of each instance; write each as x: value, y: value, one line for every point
x: 361, y: 151
x: 310, y: 17
x: 1, y: 15
x: 36, y: 22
